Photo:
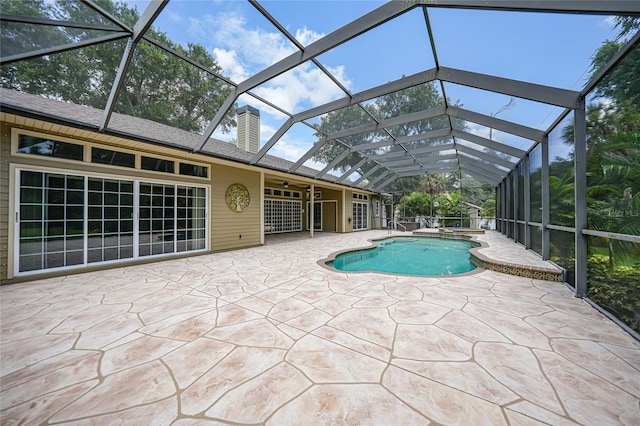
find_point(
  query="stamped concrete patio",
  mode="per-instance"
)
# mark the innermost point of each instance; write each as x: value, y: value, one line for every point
x: 267, y: 335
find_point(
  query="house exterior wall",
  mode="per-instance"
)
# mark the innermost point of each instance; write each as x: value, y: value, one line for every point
x: 226, y: 229
x: 335, y: 222
x: 5, y: 150
x: 229, y: 229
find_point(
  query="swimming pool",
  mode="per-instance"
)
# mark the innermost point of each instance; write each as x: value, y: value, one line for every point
x: 410, y: 256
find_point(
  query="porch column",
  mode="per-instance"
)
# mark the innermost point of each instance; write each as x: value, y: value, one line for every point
x: 311, y: 207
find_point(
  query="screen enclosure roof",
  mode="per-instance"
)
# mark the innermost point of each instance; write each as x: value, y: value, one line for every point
x: 357, y: 92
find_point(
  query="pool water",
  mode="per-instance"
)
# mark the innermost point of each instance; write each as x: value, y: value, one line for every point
x: 410, y: 256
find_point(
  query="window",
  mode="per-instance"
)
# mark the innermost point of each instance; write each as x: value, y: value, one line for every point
x: 360, y: 216
x: 51, y: 225
x: 282, y: 216
x: 35, y: 145
x: 157, y: 165
x: 114, y: 158
x: 44, y: 146
x: 187, y: 169
x: 360, y: 196
x: 282, y: 193
x: 69, y: 220
x: 110, y: 220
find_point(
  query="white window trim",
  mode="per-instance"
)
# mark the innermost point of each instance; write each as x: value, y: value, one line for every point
x: 14, y: 231
x: 16, y: 132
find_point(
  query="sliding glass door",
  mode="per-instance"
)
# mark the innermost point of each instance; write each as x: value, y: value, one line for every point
x: 69, y: 220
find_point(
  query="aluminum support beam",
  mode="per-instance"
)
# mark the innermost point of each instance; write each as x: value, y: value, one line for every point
x: 62, y: 48
x: 61, y: 23
x: 478, y: 175
x: 527, y: 203
x: 430, y: 171
x: 520, y: 89
x: 384, y: 89
x: 485, y: 156
x: 546, y: 212
x: 434, y: 148
x: 378, y: 179
x: 433, y: 159
x: 580, y: 173
x: 483, y: 172
x: 492, y: 170
x: 92, y: 5
x: 615, y: 60
x: 201, y: 67
x: 425, y: 150
x: 516, y: 205
x: 385, y: 183
x: 367, y: 174
x: 353, y: 29
x: 272, y: 141
x: 609, y: 7
x: 504, y: 207
x: 433, y: 134
x: 491, y: 180
x: 497, y: 123
x: 333, y: 163
x: 316, y: 146
x: 496, y: 146
x: 352, y: 170
x: 415, y: 168
x: 293, y: 40
x: 144, y: 23
x: 390, y: 122
x: 411, y: 159
x: 361, y: 25
x: 402, y: 162
x: 509, y: 187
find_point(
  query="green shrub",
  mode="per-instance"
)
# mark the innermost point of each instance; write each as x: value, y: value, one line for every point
x: 617, y: 290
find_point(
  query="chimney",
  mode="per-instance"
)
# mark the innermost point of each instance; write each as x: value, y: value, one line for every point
x: 249, y: 129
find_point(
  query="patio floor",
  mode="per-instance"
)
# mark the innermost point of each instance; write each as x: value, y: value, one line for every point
x: 266, y: 335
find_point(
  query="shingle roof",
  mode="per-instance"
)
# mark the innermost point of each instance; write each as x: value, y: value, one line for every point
x: 134, y: 127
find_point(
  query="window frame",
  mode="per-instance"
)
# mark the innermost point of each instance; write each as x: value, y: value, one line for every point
x: 14, y: 206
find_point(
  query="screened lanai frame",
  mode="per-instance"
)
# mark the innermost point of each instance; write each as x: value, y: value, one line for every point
x: 388, y: 157
x: 419, y: 160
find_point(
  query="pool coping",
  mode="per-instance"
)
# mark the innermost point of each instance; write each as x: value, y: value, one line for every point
x: 479, y: 260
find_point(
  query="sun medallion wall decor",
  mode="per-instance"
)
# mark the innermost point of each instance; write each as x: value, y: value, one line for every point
x: 237, y: 197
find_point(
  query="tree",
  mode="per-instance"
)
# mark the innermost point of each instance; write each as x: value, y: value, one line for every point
x: 158, y: 86
x: 433, y: 184
x: 622, y: 83
x: 415, y: 204
x: 449, y: 206
x: 613, y: 179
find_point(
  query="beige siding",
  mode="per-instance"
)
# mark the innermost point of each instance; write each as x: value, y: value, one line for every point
x: 349, y: 210
x: 231, y: 230
x: 333, y: 194
x: 228, y: 230
x: 5, y: 150
x: 225, y: 226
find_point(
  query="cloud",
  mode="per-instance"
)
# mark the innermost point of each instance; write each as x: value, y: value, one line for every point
x: 229, y: 62
x: 242, y: 50
x: 306, y: 36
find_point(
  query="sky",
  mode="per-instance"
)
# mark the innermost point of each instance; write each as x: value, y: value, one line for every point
x: 549, y: 49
